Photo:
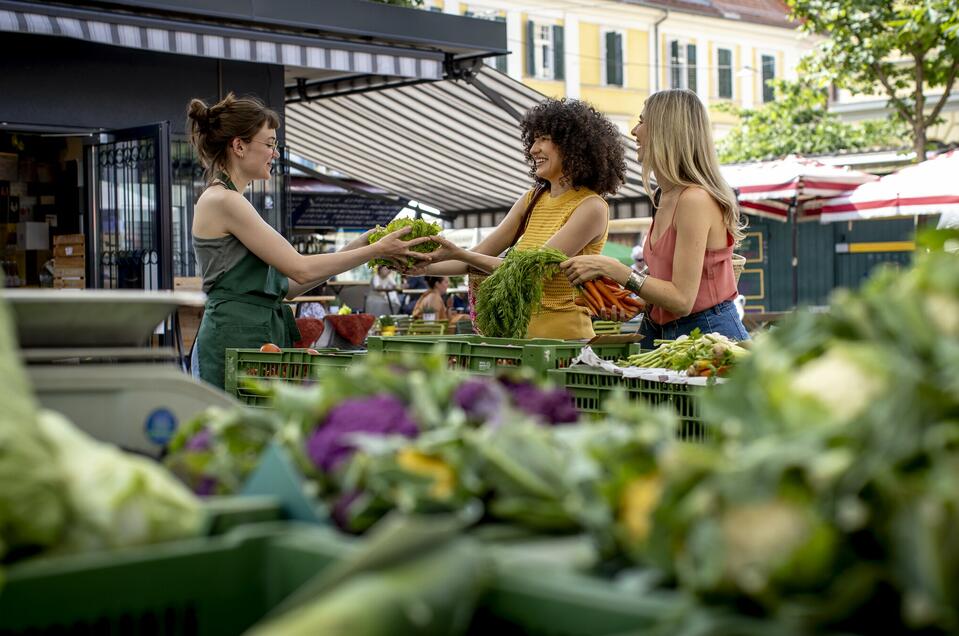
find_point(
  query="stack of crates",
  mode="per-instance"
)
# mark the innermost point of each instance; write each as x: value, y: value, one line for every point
x: 69, y: 262
x: 483, y: 355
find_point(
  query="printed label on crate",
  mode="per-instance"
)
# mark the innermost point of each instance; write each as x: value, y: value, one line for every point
x: 160, y: 426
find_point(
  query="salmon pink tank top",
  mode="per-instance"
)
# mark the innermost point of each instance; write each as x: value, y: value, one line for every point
x: 717, y: 284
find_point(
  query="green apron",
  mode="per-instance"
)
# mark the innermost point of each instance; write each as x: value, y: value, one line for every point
x: 244, y: 310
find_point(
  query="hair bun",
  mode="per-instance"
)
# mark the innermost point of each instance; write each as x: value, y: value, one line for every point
x: 199, y: 113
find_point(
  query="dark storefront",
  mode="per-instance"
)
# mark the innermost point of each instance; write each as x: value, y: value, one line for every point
x: 92, y: 122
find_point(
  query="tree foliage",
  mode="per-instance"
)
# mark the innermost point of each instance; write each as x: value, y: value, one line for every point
x: 797, y: 122
x: 903, y: 48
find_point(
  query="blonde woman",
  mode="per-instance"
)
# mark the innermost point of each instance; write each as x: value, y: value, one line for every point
x: 688, y: 251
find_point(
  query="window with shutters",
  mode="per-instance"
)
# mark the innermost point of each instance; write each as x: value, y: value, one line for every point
x: 769, y: 74
x: 724, y: 73
x: 544, y: 51
x: 496, y: 15
x: 613, y: 62
x: 683, y: 66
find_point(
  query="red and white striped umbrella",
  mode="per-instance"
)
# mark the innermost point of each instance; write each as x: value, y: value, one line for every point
x: 768, y: 188
x: 931, y: 187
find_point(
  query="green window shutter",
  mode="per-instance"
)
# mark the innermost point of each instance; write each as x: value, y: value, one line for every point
x: 614, y: 59
x: 724, y: 57
x: 500, y: 60
x: 559, y: 70
x: 530, y: 48
x: 691, y: 67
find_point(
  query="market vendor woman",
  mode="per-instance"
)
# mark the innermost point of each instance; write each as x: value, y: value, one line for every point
x: 248, y: 268
x: 576, y: 159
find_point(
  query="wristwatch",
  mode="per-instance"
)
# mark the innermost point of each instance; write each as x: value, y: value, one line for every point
x: 635, y: 282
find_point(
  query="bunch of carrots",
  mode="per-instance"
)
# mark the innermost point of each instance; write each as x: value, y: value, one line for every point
x: 605, y: 293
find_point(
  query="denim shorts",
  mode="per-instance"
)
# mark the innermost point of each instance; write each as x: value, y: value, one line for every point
x: 721, y: 318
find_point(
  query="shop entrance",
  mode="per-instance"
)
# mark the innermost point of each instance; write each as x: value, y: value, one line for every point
x: 40, y: 197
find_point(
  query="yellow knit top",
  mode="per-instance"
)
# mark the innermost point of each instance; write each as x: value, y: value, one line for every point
x: 547, y: 217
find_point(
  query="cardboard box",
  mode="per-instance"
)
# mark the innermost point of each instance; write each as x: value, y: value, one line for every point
x: 79, y: 262
x: 68, y: 272
x: 69, y: 283
x: 68, y: 239
x: 68, y: 250
x: 33, y: 236
x: 9, y: 166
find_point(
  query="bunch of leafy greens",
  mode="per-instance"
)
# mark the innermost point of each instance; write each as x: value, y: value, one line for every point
x: 506, y: 299
x: 420, y: 228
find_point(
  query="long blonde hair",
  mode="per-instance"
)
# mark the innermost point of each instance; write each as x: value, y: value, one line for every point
x: 679, y: 149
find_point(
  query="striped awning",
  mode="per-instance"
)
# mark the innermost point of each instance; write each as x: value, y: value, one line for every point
x: 168, y: 35
x: 445, y: 144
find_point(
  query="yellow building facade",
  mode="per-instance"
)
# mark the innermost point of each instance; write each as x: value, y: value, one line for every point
x: 614, y: 54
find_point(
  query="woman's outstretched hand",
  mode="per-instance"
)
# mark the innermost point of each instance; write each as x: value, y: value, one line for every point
x: 393, y: 247
x: 447, y: 251
x: 580, y: 269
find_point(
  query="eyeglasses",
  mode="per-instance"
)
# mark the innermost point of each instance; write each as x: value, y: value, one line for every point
x: 272, y: 145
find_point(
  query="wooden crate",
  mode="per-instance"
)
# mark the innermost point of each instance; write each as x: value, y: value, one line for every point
x: 70, y: 283
x: 68, y: 239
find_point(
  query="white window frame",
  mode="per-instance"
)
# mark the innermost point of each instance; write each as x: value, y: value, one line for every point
x: 684, y: 63
x: 602, y: 45
x: 539, y: 68
x: 732, y: 69
x: 759, y: 72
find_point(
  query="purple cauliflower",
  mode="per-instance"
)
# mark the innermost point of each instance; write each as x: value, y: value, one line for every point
x: 553, y: 406
x: 376, y: 415
x: 480, y: 399
x: 200, y: 442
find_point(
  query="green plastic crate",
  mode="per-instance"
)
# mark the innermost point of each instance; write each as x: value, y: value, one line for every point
x: 209, y: 586
x: 591, y: 387
x: 485, y: 355
x: 291, y: 365
x: 226, y: 513
x: 549, y: 602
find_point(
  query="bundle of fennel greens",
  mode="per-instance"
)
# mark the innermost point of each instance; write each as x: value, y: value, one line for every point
x: 506, y: 299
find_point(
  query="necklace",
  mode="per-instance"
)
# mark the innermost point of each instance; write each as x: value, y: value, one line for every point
x: 227, y: 182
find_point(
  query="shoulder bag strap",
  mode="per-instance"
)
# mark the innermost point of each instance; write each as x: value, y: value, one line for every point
x: 537, y: 193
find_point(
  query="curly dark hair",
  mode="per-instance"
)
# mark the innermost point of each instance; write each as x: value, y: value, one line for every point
x: 590, y: 144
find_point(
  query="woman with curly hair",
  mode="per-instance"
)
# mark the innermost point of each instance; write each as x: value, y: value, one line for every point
x: 690, y: 283
x: 575, y: 159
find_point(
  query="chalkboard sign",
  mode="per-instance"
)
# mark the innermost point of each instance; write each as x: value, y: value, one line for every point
x: 751, y: 284
x: 320, y: 211
x: 751, y: 247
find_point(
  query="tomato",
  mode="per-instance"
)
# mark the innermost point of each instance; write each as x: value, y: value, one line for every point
x: 313, y: 352
x: 270, y: 348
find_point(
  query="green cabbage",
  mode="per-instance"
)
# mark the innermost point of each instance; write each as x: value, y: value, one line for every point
x: 33, y: 510
x: 117, y: 499
x: 420, y: 228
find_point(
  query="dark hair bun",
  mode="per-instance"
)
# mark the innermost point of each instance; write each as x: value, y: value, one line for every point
x: 199, y: 114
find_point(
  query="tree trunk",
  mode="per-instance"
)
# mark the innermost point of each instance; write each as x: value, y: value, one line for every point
x: 919, y: 121
x: 919, y: 139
